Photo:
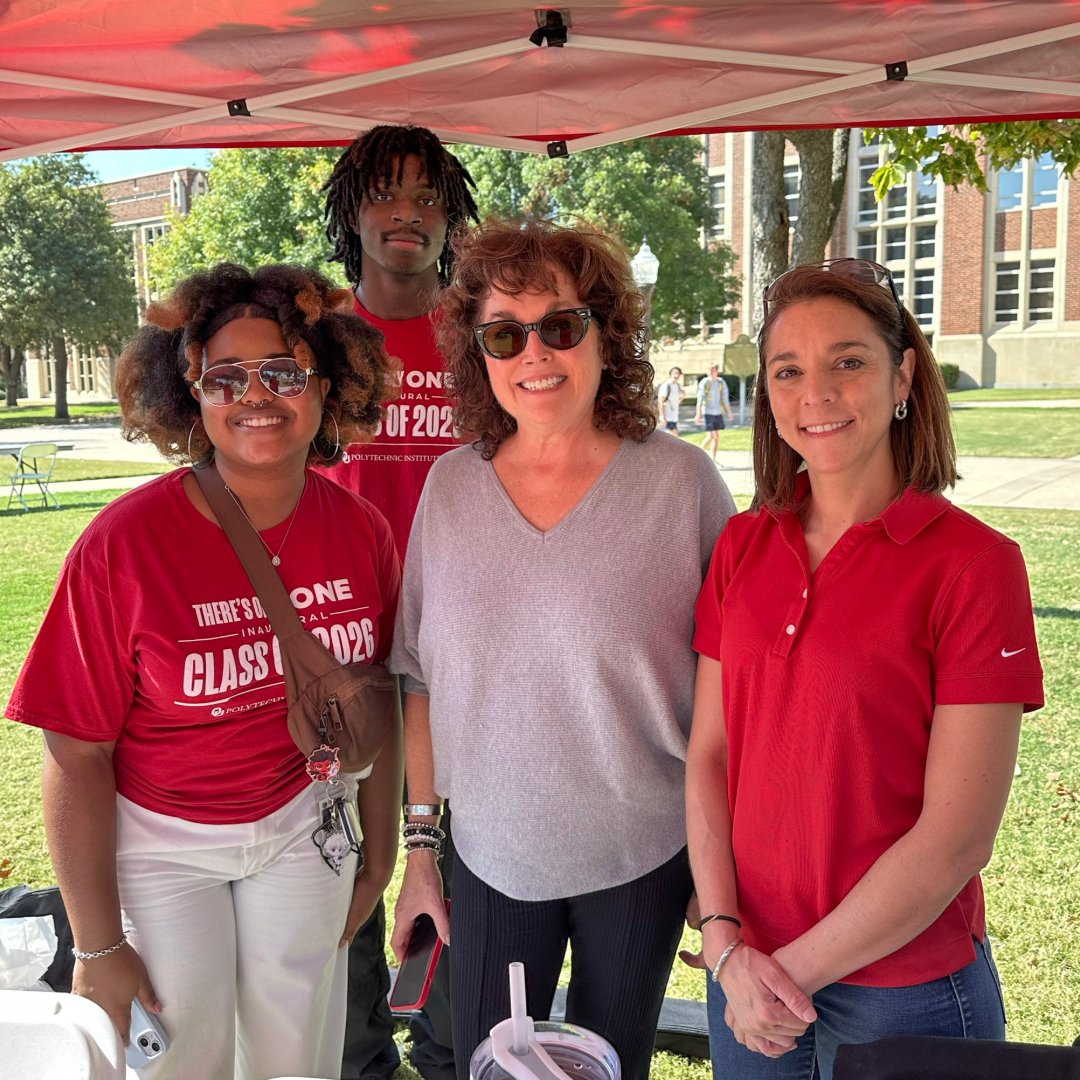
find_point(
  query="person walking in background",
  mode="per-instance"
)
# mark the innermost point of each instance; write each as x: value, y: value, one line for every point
x: 668, y: 399
x: 393, y: 199
x: 548, y: 685
x: 713, y: 401
x: 178, y: 808
x: 867, y: 650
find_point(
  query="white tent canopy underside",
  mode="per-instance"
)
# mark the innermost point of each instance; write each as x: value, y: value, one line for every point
x: 89, y: 74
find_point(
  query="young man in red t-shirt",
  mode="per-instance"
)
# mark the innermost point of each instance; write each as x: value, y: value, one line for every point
x: 393, y: 199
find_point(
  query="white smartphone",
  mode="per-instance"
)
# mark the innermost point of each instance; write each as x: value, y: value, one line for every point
x: 148, y: 1038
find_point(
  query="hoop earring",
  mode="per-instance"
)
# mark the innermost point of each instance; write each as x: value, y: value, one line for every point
x: 900, y: 412
x: 205, y: 457
x: 337, y: 439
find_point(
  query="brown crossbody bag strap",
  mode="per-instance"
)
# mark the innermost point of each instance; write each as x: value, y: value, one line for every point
x: 346, y: 710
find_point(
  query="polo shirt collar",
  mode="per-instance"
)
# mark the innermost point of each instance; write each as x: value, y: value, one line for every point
x: 904, y: 518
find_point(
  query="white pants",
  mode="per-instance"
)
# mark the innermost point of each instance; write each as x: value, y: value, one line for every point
x: 238, y: 926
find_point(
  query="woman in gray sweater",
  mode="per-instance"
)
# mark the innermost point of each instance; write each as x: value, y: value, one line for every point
x: 545, y: 634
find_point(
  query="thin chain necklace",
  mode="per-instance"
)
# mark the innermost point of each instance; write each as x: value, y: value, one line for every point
x: 275, y: 556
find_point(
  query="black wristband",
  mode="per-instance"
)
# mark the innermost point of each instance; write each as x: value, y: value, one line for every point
x: 726, y: 918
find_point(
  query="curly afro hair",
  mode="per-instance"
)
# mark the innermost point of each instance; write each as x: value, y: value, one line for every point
x: 157, y: 367
x: 524, y: 256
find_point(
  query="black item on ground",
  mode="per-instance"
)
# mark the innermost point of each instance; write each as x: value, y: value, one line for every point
x: 22, y: 902
x: 934, y: 1058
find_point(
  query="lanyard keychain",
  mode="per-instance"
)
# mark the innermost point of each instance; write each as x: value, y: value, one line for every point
x: 338, y: 831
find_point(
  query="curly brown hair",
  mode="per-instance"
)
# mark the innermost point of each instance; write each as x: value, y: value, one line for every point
x: 526, y: 256
x: 157, y: 367
x: 923, y: 448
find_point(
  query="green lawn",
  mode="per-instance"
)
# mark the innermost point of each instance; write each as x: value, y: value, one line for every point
x: 1020, y: 432
x: 1017, y: 393
x: 1033, y: 901
x: 28, y: 415
x: 87, y: 469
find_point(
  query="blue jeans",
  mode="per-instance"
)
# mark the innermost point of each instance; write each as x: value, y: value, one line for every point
x: 967, y: 1004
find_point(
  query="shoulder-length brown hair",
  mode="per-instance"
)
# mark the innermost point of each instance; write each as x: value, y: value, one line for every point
x: 922, y: 445
x: 526, y: 256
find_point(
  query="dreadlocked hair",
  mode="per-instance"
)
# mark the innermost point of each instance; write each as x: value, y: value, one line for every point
x: 157, y: 367
x: 369, y: 162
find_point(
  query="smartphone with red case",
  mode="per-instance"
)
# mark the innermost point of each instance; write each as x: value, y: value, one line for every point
x: 417, y: 970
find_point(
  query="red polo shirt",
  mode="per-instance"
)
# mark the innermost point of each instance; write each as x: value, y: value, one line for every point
x: 830, y: 682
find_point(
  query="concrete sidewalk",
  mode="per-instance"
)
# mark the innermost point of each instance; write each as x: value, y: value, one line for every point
x: 987, y: 481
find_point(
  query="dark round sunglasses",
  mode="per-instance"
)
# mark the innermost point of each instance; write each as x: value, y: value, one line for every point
x: 505, y: 338
x: 861, y: 270
x: 225, y: 384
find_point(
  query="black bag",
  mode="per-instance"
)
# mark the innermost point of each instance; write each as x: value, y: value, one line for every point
x: 22, y: 902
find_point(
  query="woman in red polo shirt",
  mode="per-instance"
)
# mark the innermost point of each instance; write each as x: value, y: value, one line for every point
x: 179, y: 813
x: 866, y: 652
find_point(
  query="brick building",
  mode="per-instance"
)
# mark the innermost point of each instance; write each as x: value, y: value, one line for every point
x: 993, y: 278
x: 138, y: 205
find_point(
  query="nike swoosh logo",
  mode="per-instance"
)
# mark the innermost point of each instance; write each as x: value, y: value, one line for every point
x: 1014, y: 652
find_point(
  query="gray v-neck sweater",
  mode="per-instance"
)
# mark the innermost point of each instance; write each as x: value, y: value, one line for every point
x: 560, y: 664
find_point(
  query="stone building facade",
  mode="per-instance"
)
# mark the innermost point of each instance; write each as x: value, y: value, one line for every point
x: 139, y: 206
x: 993, y: 277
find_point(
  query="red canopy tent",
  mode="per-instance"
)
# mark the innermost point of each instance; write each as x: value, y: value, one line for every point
x: 86, y: 74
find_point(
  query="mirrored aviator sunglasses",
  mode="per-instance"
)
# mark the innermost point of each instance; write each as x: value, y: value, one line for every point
x: 863, y: 271
x: 504, y: 339
x: 226, y: 384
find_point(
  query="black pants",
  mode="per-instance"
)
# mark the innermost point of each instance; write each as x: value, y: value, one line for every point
x: 370, y: 1050
x: 622, y: 940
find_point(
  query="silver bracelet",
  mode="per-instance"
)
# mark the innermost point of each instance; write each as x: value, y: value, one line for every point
x: 423, y: 809
x: 101, y: 952
x: 724, y: 958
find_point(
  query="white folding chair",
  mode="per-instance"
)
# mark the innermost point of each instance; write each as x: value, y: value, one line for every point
x: 57, y: 1037
x: 35, y: 464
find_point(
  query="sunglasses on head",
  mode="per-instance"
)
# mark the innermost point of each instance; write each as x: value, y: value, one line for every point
x: 863, y: 271
x: 225, y: 384
x: 505, y: 338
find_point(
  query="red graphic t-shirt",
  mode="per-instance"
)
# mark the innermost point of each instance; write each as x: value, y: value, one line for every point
x: 155, y: 639
x: 391, y: 470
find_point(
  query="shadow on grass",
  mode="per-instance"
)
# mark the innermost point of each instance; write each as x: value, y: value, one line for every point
x: 19, y: 512
x: 1057, y: 612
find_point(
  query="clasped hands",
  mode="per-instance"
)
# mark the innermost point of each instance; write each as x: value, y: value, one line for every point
x: 766, y: 1010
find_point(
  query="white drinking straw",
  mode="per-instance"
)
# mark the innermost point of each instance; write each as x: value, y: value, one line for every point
x: 518, y: 1010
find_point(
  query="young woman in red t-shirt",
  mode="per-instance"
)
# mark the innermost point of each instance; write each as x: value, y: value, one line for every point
x: 179, y: 815
x: 866, y: 652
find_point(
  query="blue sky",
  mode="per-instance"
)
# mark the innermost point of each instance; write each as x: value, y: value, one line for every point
x: 117, y: 164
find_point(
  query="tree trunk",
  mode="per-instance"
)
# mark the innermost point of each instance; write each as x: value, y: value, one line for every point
x: 60, y: 380
x: 5, y: 367
x: 769, y: 227
x: 14, y: 382
x: 823, y: 159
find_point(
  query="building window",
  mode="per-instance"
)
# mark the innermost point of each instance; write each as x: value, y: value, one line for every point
x: 199, y: 186
x: 791, y: 192
x: 1006, y: 292
x: 900, y: 232
x: 924, y: 241
x: 866, y: 244
x: 895, y: 244
x: 84, y: 375
x: 152, y: 233
x: 922, y: 299
x: 1010, y: 187
x: 1044, y: 181
x: 717, y: 200
x: 1041, y: 290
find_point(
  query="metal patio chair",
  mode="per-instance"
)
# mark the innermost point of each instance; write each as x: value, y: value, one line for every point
x: 34, y: 465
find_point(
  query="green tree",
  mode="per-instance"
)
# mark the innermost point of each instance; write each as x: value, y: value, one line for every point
x: 65, y: 272
x: 647, y: 188
x: 264, y: 205
x: 962, y: 153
